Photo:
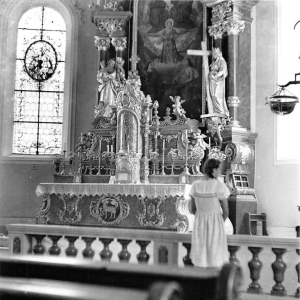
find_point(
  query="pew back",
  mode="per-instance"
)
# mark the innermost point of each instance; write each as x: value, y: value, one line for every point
x: 196, y: 283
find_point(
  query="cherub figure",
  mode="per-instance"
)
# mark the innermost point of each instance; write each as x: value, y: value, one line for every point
x: 200, y: 140
x: 177, y: 109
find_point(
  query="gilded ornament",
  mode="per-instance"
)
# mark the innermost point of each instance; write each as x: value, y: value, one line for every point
x: 70, y: 213
x: 216, y: 30
x: 220, y: 10
x: 102, y: 43
x: 111, y: 25
x: 239, y: 153
x: 151, y: 215
x: 43, y: 217
x: 233, y: 27
x: 119, y: 43
x: 109, y: 210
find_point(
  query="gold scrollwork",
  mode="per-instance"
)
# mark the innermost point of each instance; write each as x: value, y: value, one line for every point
x: 102, y: 43
x: 111, y: 25
x: 234, y: 26
x: 239, y: 153
x: 151, y: 216
x: 185, y: 218
x: 70, y: 213
x: 43, y: 217
x: 119, y: 43
x: 220, y: 10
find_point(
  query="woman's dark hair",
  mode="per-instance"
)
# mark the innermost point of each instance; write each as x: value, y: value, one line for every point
x: 210, y: 165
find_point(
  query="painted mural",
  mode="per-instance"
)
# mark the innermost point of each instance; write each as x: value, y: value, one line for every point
x: 166, y: 29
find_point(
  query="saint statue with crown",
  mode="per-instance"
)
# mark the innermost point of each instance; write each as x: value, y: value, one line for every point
x: 216, y: 78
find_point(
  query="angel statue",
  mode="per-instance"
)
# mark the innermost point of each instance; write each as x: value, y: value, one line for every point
x: 200, y: 140
x: 177, y: 109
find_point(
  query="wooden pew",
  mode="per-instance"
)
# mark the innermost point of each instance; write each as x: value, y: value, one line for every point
x: 23, y: 288
x: 186, y: 283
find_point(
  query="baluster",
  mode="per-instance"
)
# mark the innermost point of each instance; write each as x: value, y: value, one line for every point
x: 232, y: 250
x: 143, y: 256
x: 88, y: 252
x: 38, y: 248
x: 297, y: 294
x: 54, y: 249
x: 124, y: 255
x: 278, y: 267
x: 186, y: 259
x: 106, y: 254
x: 71, y: 250
x: 255, y: 266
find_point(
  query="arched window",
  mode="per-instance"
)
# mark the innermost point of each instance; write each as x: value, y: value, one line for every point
x: 39, y: 82
x: 38, y: 67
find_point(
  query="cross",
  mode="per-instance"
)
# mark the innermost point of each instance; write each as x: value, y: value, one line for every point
x: 205, y: 53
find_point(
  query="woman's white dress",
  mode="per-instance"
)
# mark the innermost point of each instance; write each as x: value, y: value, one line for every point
x: 209, y: 241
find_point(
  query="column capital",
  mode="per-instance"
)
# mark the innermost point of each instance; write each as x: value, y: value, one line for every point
x: 232, y: 26
x: 216, y: 30
x: 102, y: 43
x: 119, y: 43
x: 233, y: 101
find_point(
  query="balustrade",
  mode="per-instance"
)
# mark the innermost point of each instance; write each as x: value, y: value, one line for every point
x: 278, y: 254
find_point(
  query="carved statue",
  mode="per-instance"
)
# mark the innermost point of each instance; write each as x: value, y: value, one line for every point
x: 107, y: 78
x: 216, y: 78
x: 177, y: 109
x: 200, y: 139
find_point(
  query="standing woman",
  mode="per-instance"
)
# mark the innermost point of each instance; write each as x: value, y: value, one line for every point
x: 209, y: 241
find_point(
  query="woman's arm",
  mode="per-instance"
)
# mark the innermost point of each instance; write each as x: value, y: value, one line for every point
x: 192, y: 206
x: 224, y: 205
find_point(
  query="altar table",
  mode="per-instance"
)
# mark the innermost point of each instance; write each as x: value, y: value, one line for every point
x: 149, y: 206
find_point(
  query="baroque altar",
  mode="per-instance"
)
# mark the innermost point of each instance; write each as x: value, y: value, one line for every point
x: 133, y: 167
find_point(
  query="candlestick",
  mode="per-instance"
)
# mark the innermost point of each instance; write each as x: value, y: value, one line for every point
x: 99, y: 157
x: 163, y: 158
x: 186, y: 172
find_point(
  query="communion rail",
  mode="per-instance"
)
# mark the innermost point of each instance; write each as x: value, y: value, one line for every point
x: 270, y: 265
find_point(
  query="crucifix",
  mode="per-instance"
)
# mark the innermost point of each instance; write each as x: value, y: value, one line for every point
x: 217, y: 119
x: 204, y: 53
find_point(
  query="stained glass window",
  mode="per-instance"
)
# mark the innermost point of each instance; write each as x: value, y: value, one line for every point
x: 39, y: 83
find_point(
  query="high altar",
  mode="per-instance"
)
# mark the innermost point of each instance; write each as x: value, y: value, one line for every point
x: 133, y: 168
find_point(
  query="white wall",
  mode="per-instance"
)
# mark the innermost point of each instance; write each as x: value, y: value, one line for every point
x: 277, y: 180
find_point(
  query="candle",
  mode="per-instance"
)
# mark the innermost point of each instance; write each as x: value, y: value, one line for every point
x: 128, y: 148
x: 112, y: 148
x: 81, y: 136
x: 107, y: 148
x: 209, y: 142
x: 65, y: 147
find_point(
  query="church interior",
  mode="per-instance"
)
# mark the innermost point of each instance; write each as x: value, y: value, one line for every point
x: 110, y: 109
